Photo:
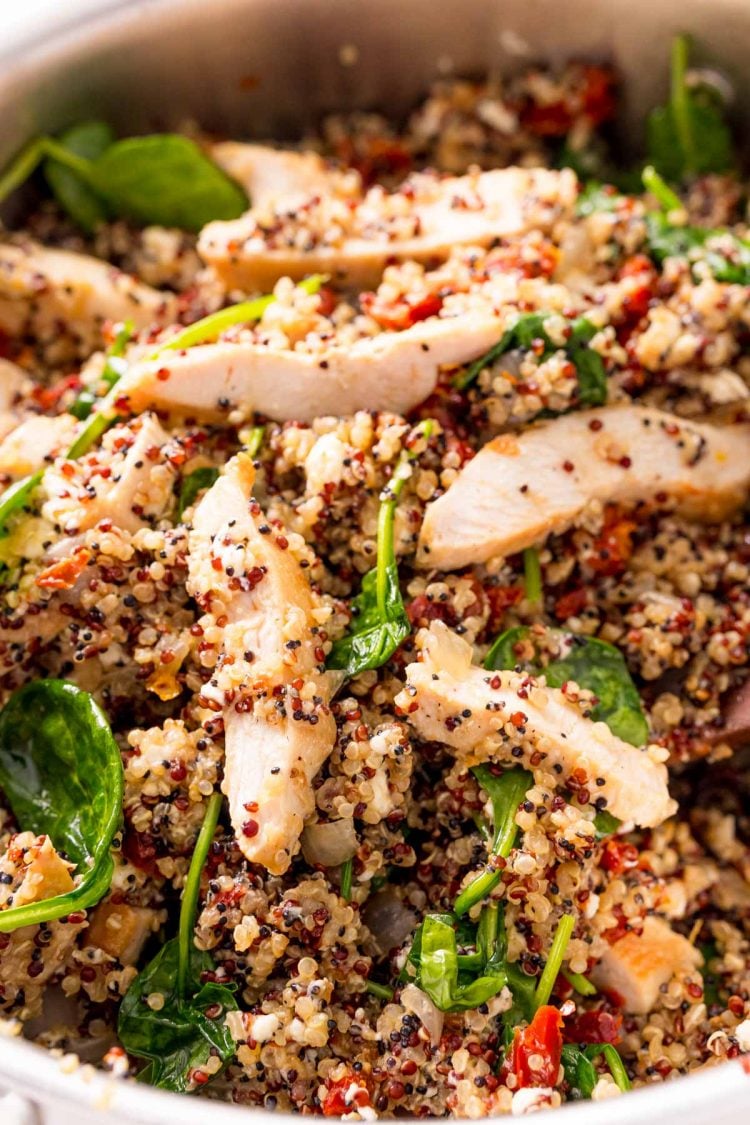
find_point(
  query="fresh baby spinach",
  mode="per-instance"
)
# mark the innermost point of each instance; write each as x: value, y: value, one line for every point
x: 593, y: 664
x: 88, y: 140
x: 61, y: 773
x: 689, y: 135
x: 186, y: 1027
x: 580, y: 1072
x: 528, y: 332
x: 163, y: 178
x: 506, y: 791
x: 193, y: 484
x: 380, y: 619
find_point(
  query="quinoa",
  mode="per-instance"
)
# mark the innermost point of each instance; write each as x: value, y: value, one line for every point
x: 98, y: 590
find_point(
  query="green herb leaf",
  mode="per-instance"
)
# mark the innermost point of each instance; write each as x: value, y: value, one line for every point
x: 189, y: 1028
x: 529, y: 331
x: 554, y: 961
x: 61, y: 773
x: 532, y: 575
x: 209, y: 328
x: 347, y: 872
x: 688, y: 136
x: 591, y: 663
x: 180, y: 1036
x: 506, y: 792
x: 193, y: 484
x: 582, y: 1075
x: 439, y: 975
x: 580, y: 983
x: 255, y: 441
x: 606, y: 824
x: 89, y: 140
x: 113, y: 370
x: 380, y: 620
x: 162, y: 179
x: 15, y: 499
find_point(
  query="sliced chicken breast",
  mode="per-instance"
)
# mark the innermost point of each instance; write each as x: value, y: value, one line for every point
x: 35, y: 442
x: 484, y: 716
x: 270, y: 174
x: 44, y: 291
x: 353, y: 240
x: 14, y: 384
x: 270, y: 684
x: 520, y: 488
x: 394, y: 371
x: 638, y: 965
x: 133, y: 488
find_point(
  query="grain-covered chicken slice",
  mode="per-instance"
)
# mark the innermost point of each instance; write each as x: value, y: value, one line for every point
x: 122, y: 930
x: 32, y: 870
x: 14, y: 386
x: 270, y: 683
x: 125, y: 479
x: 523, y: 487
x: 486, y: 716
x: 638, y: 965
x: 353, y: 239
x: 34, y: 443
x: 270, y: 174
x: 45, y: 292
x: 393, y: 371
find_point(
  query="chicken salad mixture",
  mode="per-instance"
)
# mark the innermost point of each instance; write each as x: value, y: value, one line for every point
x: 374, y: 615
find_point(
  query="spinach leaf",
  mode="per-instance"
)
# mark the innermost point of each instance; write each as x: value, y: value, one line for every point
x: 347, y: 872
x: 179, y: 1037
x: 89, y: 139
x: 209, y: 328
x: 532, y: 575
x: 506, y: 791
x: 254, y: 440
x: 726, y: 255
x: 193, y: 484
x: 594, y: 664
x: 164, y: 179
x: 580, y: 983
x: 528, y: 331
x: 582, y: 1075
x: 554, y: 961
x: 61, y: 773
x: 380, y: 619
x: 688, y: 136
x: 113, y: 370
x: 439, y: 970
x: 597, y: 197
x: 15, y: 499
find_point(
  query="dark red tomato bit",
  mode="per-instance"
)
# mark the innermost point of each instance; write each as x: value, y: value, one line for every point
x: 618, y: 856
x: 542, y: 1038
x: 570, y: 604
x: 335, y: 1103
x: 597, y: 1026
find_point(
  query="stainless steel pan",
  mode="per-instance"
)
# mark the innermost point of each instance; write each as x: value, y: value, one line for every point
x: 269, y: 68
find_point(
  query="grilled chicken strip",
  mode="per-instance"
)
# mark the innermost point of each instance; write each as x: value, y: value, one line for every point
x: 42, y: 289
x: 638, y: 965
x: 134, y: 489
x: 353, y: 239
x: 394, y: 371
x: 269, y: 174
x: 520, y: 488
x: 35, y: 442
x: 270, y: 682
x: 483, y: 716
